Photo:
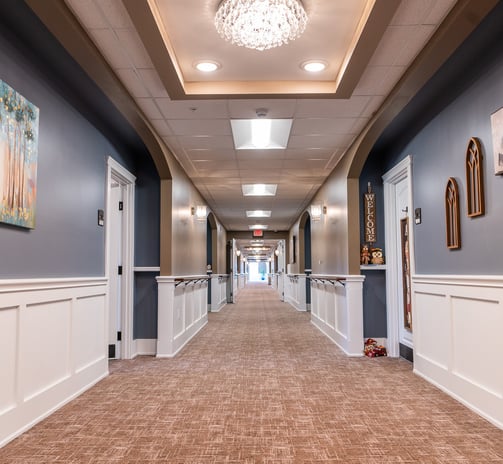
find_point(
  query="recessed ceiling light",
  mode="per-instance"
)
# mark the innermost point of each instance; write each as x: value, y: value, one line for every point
x: 258, y: 227
x: 258, y: 213
x: 207, y: 66
x: 313, y: 66
x: 259, y: 189
x: 261, y: 133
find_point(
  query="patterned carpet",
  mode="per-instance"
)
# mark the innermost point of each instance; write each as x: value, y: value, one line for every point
x: 260, y: 384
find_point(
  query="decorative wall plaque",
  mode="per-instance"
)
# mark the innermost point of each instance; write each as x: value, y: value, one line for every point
x: 474, y: 179
x: 453, y: 232
x: 369, y: 208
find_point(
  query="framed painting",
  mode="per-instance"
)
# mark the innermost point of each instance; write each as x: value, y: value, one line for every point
x: 18, y: 158
x: 497, y: 135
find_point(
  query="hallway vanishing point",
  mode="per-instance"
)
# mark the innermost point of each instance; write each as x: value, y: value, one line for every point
x: 260, y: 384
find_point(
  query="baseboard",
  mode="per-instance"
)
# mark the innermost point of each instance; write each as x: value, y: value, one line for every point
x: 144, y: 347
x: 469, y: 405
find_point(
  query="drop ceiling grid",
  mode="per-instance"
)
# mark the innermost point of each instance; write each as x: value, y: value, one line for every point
x: 199, y: 130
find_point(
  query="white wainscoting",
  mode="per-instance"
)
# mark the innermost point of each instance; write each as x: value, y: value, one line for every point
x: 295, y: 291
x: 218, y: 292
x: 182, y: 311
x: 457, y: 323
x: 144, y: 347
x: 53, y: 346
x: 337, y: 310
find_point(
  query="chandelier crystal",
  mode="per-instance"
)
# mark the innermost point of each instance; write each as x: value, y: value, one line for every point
x: 260, y: 24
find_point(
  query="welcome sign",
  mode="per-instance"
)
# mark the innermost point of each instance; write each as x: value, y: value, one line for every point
x: 369, y: 209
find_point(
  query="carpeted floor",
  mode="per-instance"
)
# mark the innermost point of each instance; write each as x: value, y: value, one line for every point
x: 260, y: 384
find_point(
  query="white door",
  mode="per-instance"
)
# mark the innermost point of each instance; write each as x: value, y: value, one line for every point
x: 402, y: 214
x: 398, y: 207
x: 116, y: 269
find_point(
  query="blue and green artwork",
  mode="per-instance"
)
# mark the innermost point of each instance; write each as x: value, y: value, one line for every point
x: 18, y: 158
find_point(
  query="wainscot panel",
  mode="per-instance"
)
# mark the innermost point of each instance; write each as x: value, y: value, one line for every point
x: 182, y: 311
x: 53, y: 346
x: 337, y: 310
x: 457, y: 325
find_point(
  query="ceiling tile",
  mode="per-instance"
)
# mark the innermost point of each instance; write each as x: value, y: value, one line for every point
x: 205, y: 166
x: 247, y: 109
x: 193, y: 109
x: 189, y: 143
x: 152, y: 82
x: 308, y: 153
x: 88, y: 14
x: 379, y: 80
x: 200, y: 126
x: 350, y: 108
x: 115, y: 13
x: 318, y: 126
x: 252, y: 164
x: 161, y: 127
x: 149, y: 107
x: 111, y: 48
x: 130, y: 79
x: 211, y: 154
x: 134, y: 48
x: 319, y: 141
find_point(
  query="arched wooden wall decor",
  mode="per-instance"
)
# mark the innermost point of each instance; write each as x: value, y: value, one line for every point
x: 474, y: 179
x: 452, y: 214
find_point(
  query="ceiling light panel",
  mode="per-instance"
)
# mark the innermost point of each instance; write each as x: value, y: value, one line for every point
x: 260, y: 134
x: 260, y: 190
x: 258, y: 213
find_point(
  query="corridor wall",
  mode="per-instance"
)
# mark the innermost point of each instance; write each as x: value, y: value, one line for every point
x: 53, y: 288
x: 457, y: 294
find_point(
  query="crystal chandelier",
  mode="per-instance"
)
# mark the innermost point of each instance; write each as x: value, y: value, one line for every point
x: 260, y: 24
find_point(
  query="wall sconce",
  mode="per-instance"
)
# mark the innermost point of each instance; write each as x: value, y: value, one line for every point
x: 238, y: 252
x: 316, y: 211
x: 199, y: 212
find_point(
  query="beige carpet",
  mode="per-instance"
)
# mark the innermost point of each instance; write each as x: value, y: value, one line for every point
x: 260, y: 384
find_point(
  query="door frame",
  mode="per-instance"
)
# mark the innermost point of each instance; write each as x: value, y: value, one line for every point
x: 117, y: 172
x: 401, y: 171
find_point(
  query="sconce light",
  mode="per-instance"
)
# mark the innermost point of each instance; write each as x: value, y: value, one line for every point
x: 238, y: 252
x: 276, y: 252
x: 199, y: 212
x: 316, y: 211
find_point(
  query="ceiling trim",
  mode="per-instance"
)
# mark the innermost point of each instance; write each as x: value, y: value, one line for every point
x: 147, y: 21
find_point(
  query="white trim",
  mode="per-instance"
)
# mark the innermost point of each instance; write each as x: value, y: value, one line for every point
x: 73, y: 315
x: 403, y: 170
x: 146, y: 269
x: 28, y: 285
x: 145, y: 347
x: 495, y: 281
x: 116, y: 171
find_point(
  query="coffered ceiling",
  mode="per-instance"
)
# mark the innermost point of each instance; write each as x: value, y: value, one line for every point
x: 152, y: 46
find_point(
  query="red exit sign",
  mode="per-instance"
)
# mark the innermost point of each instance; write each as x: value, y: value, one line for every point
x: 258, y: 233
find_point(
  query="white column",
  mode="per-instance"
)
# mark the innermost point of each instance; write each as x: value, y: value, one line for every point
x: 165, y: 316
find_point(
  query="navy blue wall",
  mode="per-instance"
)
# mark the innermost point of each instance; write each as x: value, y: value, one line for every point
x: 435, y: 129
x: 79, y: 129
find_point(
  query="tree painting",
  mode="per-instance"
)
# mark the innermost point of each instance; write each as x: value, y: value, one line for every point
x: 18, y: 158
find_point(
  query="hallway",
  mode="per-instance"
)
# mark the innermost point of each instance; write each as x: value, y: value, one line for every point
x: 260, y: 384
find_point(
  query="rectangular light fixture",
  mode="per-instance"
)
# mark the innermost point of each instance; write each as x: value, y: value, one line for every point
x: 199, y: 212
x: 258, y: 213
x: 261, y: 133
x: 259, y: 190
x: 316, y: 212
x: 258, y: 227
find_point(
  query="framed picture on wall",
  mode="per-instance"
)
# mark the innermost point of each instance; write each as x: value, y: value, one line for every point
x: 497, y: 135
